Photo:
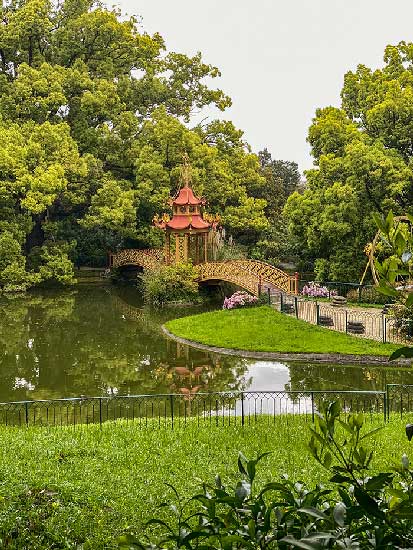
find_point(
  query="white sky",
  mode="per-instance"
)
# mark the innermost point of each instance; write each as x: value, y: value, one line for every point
x: 279, y: 60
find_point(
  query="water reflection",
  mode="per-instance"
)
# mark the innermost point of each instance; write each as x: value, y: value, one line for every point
x: 102, y: 341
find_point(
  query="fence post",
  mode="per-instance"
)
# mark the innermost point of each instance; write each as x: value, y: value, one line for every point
x: 100, y: 411
x: 317, y: 314
x: 259, y: 286
x: 171, y: 399
x: 269, y: 295
x: 388, y: 402
x: 312, y: 406
x: 346, y: 320
x: 281, y: 302
x: 26, y: 407
x: 384, y: 328
x: 296, y: 306
x: 242, y: 409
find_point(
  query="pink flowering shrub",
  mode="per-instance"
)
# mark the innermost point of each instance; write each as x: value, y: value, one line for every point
x: 315, y: 290
x: 239, y: 299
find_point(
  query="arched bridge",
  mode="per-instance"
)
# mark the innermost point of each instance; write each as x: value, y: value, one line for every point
x: 252, y: 275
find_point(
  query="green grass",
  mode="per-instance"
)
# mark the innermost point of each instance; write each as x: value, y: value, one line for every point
x: 264, y: 329
x: 87, y: 485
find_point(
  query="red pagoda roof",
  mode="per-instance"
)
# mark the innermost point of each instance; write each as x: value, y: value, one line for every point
x: 186, y: 196
x: 187, y: 221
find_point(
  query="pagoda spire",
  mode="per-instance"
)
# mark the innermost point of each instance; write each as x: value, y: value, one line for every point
x: 186, y: 171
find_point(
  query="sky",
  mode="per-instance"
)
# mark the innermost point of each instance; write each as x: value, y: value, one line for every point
x: 280, y: 60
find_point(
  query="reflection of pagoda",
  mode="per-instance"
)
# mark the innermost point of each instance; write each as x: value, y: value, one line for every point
x: 186, y: 233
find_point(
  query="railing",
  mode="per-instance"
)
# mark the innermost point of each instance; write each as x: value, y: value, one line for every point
x: 253, y: 275
x: 366, y: 323
x: 213, y: 409
x: 354, y: 292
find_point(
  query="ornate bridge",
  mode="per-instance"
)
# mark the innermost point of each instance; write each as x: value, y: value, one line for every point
x: 252, y: 275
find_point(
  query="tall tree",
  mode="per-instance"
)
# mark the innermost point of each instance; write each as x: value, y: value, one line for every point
x: 94, y: 119
x: 363, y: 164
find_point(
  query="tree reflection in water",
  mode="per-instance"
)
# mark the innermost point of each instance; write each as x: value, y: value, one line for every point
x: 100, y: 340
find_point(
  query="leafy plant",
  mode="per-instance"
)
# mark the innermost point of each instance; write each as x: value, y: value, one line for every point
x: 172, y: 283
x: 364, y: 512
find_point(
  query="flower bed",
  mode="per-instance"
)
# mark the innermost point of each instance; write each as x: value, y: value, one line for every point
x: 315, y: 290
x: 239, y: 299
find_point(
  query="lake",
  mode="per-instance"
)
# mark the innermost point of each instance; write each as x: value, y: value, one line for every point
x: 96, y: 340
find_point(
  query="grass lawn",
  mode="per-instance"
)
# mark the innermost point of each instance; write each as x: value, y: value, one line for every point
x: 265, y: 329
x: 66, y: 487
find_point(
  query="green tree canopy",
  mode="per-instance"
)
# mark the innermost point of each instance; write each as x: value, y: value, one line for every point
x: 363, y: 159
x: 94, y: 120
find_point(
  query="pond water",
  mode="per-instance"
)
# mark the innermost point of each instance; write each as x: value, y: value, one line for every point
x: 100, y: 340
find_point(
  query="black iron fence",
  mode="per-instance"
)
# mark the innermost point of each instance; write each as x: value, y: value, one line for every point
x: 213, y: 409
x: 372, y: 323
x: 353, y: 292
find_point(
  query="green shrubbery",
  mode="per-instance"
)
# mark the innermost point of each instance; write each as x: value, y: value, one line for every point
x: 362, y: 511
x: 172, y: 283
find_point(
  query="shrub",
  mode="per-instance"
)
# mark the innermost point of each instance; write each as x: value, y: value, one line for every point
x: 364, y: 512
x: 239, y: 299
x: 315, y: 290
x: 368, y: 295
x: 172, y: 283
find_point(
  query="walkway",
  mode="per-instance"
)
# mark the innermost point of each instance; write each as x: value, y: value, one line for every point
x: 363, y: 322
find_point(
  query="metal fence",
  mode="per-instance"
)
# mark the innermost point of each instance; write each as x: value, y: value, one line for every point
x: 211, y: 409
x: 367, y: 323
x: 354, y: 292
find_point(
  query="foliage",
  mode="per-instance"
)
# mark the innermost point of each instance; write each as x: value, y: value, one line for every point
x: 367, y: 295
x: 264, y: 329
x: 362, y: 157
x: 93, y: 127
x: 282, y: 178
x: 315, y: 290
x: 240, y: 298
x: 84, y: 486
x: 394, y: 269
x: 366, y: 511
x: 170, y: 283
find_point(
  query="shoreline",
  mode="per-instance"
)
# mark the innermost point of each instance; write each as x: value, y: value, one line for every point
x: 338, y: 358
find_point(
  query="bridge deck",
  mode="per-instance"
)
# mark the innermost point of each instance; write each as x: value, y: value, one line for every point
x: 252, y: 275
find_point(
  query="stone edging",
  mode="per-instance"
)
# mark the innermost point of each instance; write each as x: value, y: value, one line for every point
x: 274, y: 356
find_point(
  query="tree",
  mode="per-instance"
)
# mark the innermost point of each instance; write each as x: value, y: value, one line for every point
x: 94, y: 117
x: 281, y: 179
x: 362, y: 158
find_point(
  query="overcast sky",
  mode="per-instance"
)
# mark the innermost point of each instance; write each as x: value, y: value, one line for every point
x: 280, y: 60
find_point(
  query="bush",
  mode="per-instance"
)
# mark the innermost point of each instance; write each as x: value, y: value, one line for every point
x: 368, y: 295
x: 239, y: 299
x: 363, y: 512
x: 172, y: 283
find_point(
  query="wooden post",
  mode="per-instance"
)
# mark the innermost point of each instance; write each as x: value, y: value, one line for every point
x: 196, y: 249
x: 297, y: 278
x: 168, y: 248
x: 186, y: 247
x: 177, y: 248
x: 205, y: 247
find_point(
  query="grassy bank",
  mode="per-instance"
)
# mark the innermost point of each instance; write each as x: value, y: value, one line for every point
x: 264, y: 329
x: 66, y: 487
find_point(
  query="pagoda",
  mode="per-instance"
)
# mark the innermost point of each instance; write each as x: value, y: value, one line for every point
x: 186, y: 233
